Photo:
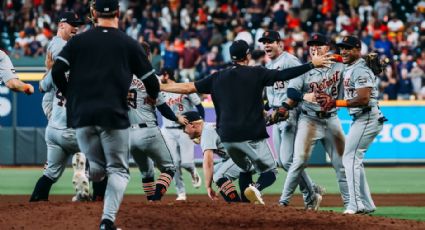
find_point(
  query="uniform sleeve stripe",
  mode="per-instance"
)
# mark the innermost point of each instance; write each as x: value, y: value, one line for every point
x: 63, y: 59
x: 147, y: 74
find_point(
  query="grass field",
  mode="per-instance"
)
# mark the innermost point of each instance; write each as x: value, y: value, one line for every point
x: 381, y: 180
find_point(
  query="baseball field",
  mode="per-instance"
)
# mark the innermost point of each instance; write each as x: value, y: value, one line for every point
x: 399, y: 193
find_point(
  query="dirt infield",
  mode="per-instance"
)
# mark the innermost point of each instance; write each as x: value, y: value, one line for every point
x: 197, y: 213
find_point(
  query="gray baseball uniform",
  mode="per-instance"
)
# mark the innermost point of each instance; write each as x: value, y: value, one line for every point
x: 61, y: 141
x: 54, y: 47
x: 179, y: 143
x: 367, y: 123
x: 314, y: 125
x: 211, y: 141
x: 284, y: 132
x: 147, y: 142
x: 7, y: 70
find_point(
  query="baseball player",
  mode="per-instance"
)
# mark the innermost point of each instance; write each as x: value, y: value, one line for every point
x: 181, y: 147
x: 101, y: 64
x: 61, y: 141
x: 361, y: 98
x: 10, y: 79
x: 237, y: 97
x: 146, y: 140
x: 284, y: 131
x: 222, y: 173
x: 315, y: 124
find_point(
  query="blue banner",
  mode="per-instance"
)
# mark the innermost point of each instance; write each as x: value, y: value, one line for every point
x: 402, y: 138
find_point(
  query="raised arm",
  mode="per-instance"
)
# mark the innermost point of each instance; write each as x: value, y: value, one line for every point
x: 182, y: 88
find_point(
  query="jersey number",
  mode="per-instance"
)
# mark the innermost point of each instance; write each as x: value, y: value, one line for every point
x: 61, y: 99
x: 180, y: 107
x: 279, y: 85
x: 132, y: 98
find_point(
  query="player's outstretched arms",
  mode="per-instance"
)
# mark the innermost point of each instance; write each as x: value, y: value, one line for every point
x: 182, y: 88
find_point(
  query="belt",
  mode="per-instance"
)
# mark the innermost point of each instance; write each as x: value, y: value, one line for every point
x: 174, y: 127
x: 144, y: 125
x: 319, y: 114
x: 364, y: 110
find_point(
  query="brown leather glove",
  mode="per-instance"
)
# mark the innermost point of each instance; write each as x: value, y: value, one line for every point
x: 325, y: 101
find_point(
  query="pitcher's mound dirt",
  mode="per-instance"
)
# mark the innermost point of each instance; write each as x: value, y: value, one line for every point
x: 194, y: 214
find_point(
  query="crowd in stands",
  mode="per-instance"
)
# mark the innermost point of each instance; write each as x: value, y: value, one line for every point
x: 192, y: 37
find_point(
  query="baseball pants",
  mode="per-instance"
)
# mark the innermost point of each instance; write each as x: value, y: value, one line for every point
x: 146, y: 144
x: 256, y: 153
x: 61, y: 144
x: 283, y: 139
x: 226, y: 169
x: 362, y: 132
x: 310, y: 130
x: 182, y: 152
x: 108, y: 152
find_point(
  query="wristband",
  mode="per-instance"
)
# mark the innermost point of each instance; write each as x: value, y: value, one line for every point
x: 341, y: 103
x: 26, y: 88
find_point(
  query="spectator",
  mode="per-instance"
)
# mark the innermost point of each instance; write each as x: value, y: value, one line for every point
x: 389, y: 82
x: 342, y: 21
x: 189, y: 60
x: 383, y: 9
x: 365, y: 12
x: 134, y: 29
x: 384, y: 46
x: 405, y: 88
x: 417, y: 75
x: 170, y: 58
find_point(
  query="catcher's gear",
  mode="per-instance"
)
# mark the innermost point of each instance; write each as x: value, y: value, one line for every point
x: 374, y: 63
x: 325, y: 101
x: 279, y: 114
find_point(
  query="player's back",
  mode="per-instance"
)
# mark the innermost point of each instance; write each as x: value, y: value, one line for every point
x: 142, y: 107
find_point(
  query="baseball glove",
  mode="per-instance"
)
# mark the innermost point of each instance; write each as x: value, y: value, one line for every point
x: 374, y: 63
x: 325, y: 101
x: 278, y: 114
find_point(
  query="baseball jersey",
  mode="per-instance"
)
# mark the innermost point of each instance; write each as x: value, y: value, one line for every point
x: 142, y: 107
x: 357, y: 76
x: 211, y: 141
x: 7, y: 70
x: 52, y: 95
x: 276, y: 94
x: 327, y: 80
x: 180, y: 103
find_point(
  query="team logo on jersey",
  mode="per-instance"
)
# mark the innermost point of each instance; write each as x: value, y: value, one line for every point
x: 178, y: 100
x: 325, y: 83
x: 138, y: 84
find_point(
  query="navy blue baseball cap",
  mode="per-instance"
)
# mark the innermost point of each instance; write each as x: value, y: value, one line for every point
x: 270, y: 36
x: 238, y: 50
x: 318, y: 39
x: 192, y: 116
x: 350, y: 42
x: 106, y: 6
x: 70, y: 18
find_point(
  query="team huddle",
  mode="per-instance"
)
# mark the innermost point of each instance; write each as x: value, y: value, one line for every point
x: 302, y: 103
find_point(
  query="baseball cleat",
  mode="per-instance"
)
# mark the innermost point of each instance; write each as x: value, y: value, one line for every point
x: 349, y: 212
x: 196, y: 179
x: 253, y: 195
x: 315, y: 204
x: 181, y: 197
x: 80, y: 179
x: 106, y: 224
